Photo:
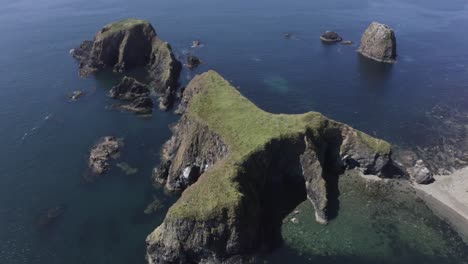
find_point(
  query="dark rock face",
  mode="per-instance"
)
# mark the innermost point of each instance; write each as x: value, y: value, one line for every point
x: 129, y: 89
x: 305, y: 161
x: 331, y: 37
x: 379, y: 43
x: 137, y: 93
x: 129, y: 44
x: 192, y: 61
x: 188, y: 155
x: 101, y: 153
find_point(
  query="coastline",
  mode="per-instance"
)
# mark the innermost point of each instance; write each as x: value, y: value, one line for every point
x: 447, y: 197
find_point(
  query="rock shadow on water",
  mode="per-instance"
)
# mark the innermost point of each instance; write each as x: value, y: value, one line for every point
x: 373, y: 73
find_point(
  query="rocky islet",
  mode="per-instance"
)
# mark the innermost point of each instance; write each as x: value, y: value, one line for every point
x: 225, y: 171
x: 129, y: 44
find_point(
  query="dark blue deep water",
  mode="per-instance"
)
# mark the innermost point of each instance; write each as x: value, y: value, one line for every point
x: 45, y: 139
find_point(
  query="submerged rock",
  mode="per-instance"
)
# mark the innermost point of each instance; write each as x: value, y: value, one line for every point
x: 101, y: 153
x: 192, y: 61
x: 229, y: 157
x: 125, y: 167
x: 51, y: 215
x: 331, y: 37
x: 288, y: 35
x: 379, y: 43
x: 154, y: 206
x: 347, y: 42
x: 128, y: 44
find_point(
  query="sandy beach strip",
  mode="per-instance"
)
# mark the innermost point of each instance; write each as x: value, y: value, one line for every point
x: 447, y: 197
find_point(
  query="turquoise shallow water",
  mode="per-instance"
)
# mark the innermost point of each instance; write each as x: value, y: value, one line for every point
x: 45, y: 139
x: 376, y: 223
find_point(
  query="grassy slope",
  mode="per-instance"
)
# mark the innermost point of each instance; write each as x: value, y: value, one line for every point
x: 122, y: 25
x: 246, y: 129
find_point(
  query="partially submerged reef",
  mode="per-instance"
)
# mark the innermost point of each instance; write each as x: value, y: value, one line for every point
x: 228, y: 157
x: 129, y: 44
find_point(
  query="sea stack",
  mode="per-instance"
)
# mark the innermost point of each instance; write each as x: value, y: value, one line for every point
x: 379, y: 43
x: 129, y: 44
x: 231, y: 159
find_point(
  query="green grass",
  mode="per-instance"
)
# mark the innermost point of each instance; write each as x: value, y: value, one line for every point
x: 245, y: 129
x: 122, y: 25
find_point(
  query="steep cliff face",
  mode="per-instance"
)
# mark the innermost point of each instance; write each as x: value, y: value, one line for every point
x: 128, y: 44
x: 379, y: 43
x: 245, y: 159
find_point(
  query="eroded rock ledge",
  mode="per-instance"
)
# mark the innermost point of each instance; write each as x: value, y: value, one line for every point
x: 231, y: 157
x: 128, y: 44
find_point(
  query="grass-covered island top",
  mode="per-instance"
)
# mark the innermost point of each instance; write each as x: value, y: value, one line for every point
x: 229, y: 158
x: 246, y: 129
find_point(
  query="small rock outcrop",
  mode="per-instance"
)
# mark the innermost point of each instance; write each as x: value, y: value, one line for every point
x: 75, y: 95
x: 101, y: 153
x: 136, y: 93
x: 196, y: 44
x: 128, y: 44
x: 192, y: 61
x: 379, y: 43
x: 228, y: 157
x: 331, y: 37
x: 129, y: 89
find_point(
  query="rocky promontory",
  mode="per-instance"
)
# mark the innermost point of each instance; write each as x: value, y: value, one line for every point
x: 379, y: 43
x: 129, y: 44
x: 229, y: 158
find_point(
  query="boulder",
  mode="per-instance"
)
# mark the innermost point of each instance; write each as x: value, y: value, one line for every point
x: 129, y: 44
x: 379, y: 43
x: 419, y: 173
x: 331, y: 37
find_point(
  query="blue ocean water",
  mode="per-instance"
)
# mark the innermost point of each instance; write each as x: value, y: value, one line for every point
x: 45, y: 138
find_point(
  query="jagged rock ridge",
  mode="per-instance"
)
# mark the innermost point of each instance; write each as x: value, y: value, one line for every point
x: 230, y: 156
x: 128, y: 44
